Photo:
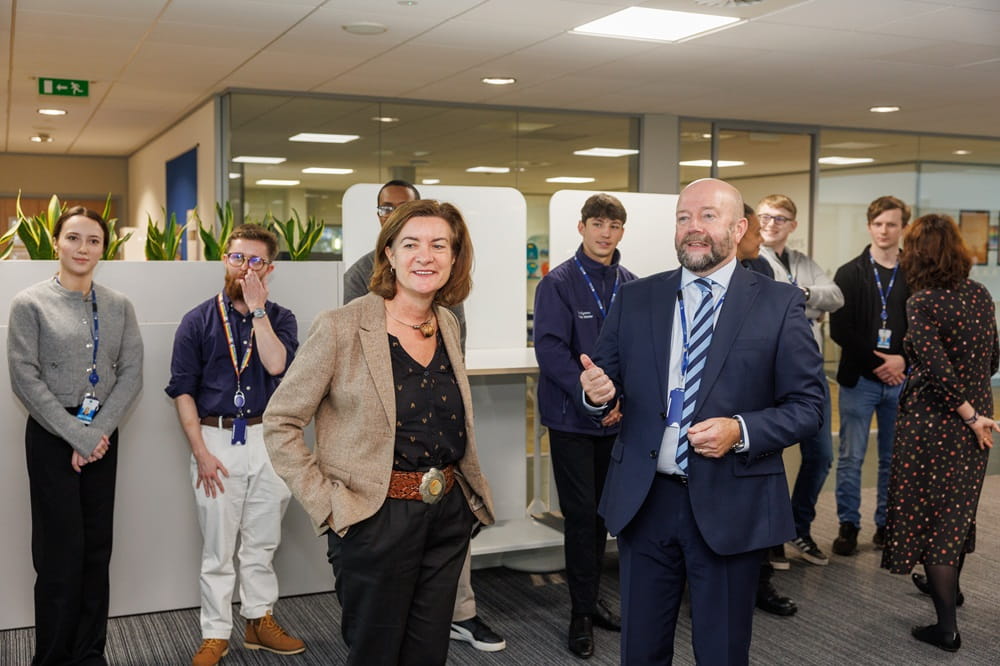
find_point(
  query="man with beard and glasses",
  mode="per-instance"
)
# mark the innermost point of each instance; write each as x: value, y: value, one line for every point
x: 721, y: 373
x: 229, y: 355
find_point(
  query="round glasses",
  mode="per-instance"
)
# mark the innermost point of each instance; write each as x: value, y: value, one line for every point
x: 237, y: 259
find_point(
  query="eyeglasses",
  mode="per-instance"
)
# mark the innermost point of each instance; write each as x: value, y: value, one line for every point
x: 385, y: 209
x: 237, y: 259
x: 778, y: 220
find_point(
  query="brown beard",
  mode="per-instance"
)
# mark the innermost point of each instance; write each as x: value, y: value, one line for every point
x: 719, y: 252
x: 233, y: 288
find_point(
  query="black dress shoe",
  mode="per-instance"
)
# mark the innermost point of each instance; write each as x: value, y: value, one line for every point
x: 605, y: 618
x: 920, y: 581
x: 943, y: 639
x: 581, y: 636
x: 769, y: 601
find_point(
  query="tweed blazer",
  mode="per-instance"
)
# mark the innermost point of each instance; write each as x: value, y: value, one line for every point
x: 342, y: 377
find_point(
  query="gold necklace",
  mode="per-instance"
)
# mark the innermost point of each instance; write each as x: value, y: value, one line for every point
x: 427, y: 328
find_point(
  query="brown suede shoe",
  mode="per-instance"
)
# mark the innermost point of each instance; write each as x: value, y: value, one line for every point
x: 266, y: 634
x: 212, y: 650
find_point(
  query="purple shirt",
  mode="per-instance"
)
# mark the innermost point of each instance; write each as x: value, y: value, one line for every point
x: 201, y: 365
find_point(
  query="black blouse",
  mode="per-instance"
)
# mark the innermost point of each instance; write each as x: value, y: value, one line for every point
x: 430, y: 414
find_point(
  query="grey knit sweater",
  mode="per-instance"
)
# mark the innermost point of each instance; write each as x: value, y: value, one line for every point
x: 50, y: 350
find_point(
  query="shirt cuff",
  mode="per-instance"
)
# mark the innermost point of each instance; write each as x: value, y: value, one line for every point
x: 742, y: 446
x: 589, y: 407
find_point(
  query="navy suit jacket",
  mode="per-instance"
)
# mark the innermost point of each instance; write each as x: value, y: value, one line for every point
x: 763, y: 365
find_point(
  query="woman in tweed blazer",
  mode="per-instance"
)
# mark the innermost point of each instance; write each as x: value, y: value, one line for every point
x: 394, y: 479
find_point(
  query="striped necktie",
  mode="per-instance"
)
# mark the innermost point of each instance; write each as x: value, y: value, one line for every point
x: 697, y: 354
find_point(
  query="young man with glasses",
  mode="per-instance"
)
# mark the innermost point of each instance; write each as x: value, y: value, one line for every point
x: 466, y: 625
x: 229, y: 354
x: 777, y: 221
x: 869, y: 329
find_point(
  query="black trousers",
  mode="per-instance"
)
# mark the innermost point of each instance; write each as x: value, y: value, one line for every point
x: 580, y: 465
x: 397, y: 574
x: 72, y: 520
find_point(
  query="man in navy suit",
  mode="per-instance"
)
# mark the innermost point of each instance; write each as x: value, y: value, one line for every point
x: 704, y: 516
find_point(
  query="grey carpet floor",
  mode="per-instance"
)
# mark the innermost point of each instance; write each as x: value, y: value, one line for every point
x: 850, y: 612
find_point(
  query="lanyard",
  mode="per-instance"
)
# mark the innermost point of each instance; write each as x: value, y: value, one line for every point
x: 788, y: 268
x: 238, y: 399
x: 684, y: 334
x: 614, y: 289
x: 884, y: 295
x: 95, y: 334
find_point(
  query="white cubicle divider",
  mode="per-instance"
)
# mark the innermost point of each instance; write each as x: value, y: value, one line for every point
x: 497, y: 357
x: 157, y: 543
x: 648, y: 244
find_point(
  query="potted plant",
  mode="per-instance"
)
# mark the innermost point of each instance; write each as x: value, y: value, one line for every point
x: 163, y: 245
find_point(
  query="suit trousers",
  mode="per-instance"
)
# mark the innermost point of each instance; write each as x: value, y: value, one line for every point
x: 660, y: 550
x: 580, y: 465
x: 397, y: 580
x: 72, y: 521
x: 251, y: 509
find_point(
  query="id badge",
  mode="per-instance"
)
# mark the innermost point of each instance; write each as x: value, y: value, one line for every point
x: 239, y: 431
x: 675, y: 408
x: 88, y: 409
x: 884, y: 338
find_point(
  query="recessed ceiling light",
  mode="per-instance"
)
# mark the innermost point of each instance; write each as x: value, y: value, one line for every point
x: 329, y: 171
x: 233, y: 175
x: 52, y: 112
x: 708, y: 163
x: 844, y: 161
x: 41, y: 138
x: 364, y: 28
x: 570, y: 179
x: 884, y: 109
x: 498, y: 80
x: 430, y: 181
x: 658, y: 25
x: 314, y: 137
x: 961, y: 152
x: 488, y: 169
x: 606, y: 152
x: 277, y: 182
x: 385, y: 119
x: 254, y: 159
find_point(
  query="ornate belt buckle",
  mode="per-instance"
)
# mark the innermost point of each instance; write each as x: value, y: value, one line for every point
x: 432, y: 485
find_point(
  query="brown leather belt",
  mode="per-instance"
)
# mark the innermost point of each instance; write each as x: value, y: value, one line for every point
x: 407, y: 485
x: 226, y: 422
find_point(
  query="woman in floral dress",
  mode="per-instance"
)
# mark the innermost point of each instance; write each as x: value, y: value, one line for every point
x: 943, y: 428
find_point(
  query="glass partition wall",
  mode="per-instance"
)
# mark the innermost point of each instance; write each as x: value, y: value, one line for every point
x: 319, y: 146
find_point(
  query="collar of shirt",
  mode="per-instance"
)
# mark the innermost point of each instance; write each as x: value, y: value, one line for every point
x: 720, y: 279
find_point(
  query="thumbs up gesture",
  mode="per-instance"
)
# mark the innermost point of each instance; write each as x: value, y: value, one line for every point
x: 597, y: 385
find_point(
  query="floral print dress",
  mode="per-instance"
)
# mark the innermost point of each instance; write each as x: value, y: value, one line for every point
x: 937, y: 465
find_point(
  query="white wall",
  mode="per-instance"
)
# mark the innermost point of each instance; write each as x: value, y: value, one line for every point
x: 147, y: 170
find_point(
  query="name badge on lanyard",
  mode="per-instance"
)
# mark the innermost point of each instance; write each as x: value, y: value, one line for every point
x: 884, y: 340
x: 239, y: 400
x: 90, y: 405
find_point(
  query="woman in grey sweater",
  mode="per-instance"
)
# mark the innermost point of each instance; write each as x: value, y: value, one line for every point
x: 75, y: 358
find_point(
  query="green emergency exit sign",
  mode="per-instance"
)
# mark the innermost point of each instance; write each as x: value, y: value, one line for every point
x: 64, y: 87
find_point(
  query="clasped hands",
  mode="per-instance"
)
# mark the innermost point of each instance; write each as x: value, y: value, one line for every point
x: 712, y: 438
x: 77, y: 461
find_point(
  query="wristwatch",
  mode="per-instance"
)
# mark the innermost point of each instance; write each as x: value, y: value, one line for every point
x: 741, y: 445
x: 259, y: 313
x: 805, y: 290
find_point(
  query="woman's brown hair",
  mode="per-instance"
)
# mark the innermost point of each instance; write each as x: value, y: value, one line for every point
x: 934, y: 254
x: 459, y: 283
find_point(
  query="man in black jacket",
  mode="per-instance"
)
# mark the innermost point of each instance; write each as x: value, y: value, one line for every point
x: 869, y: 329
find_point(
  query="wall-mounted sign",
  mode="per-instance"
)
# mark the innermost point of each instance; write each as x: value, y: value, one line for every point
x: 64, y: 87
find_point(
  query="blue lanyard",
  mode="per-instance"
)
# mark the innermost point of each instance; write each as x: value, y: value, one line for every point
x: 95, y: 333
x: 884, y: 295
x: 684, y: 332
x: 614, y: 289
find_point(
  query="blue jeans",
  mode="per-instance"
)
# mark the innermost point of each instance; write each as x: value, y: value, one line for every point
x: 856, y: 406
x: 817, y: 454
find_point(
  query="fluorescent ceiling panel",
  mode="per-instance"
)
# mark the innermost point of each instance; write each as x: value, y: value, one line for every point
x: 312, y: 137
x: 658, y: 25
x: 569, y: 179
x: 277, y: 182
x: 254, y: 159
x: 844, y: 161
x: 329, y: 171
x: 488, y: 169
x: 606, y: 152
x: 708, y: 163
